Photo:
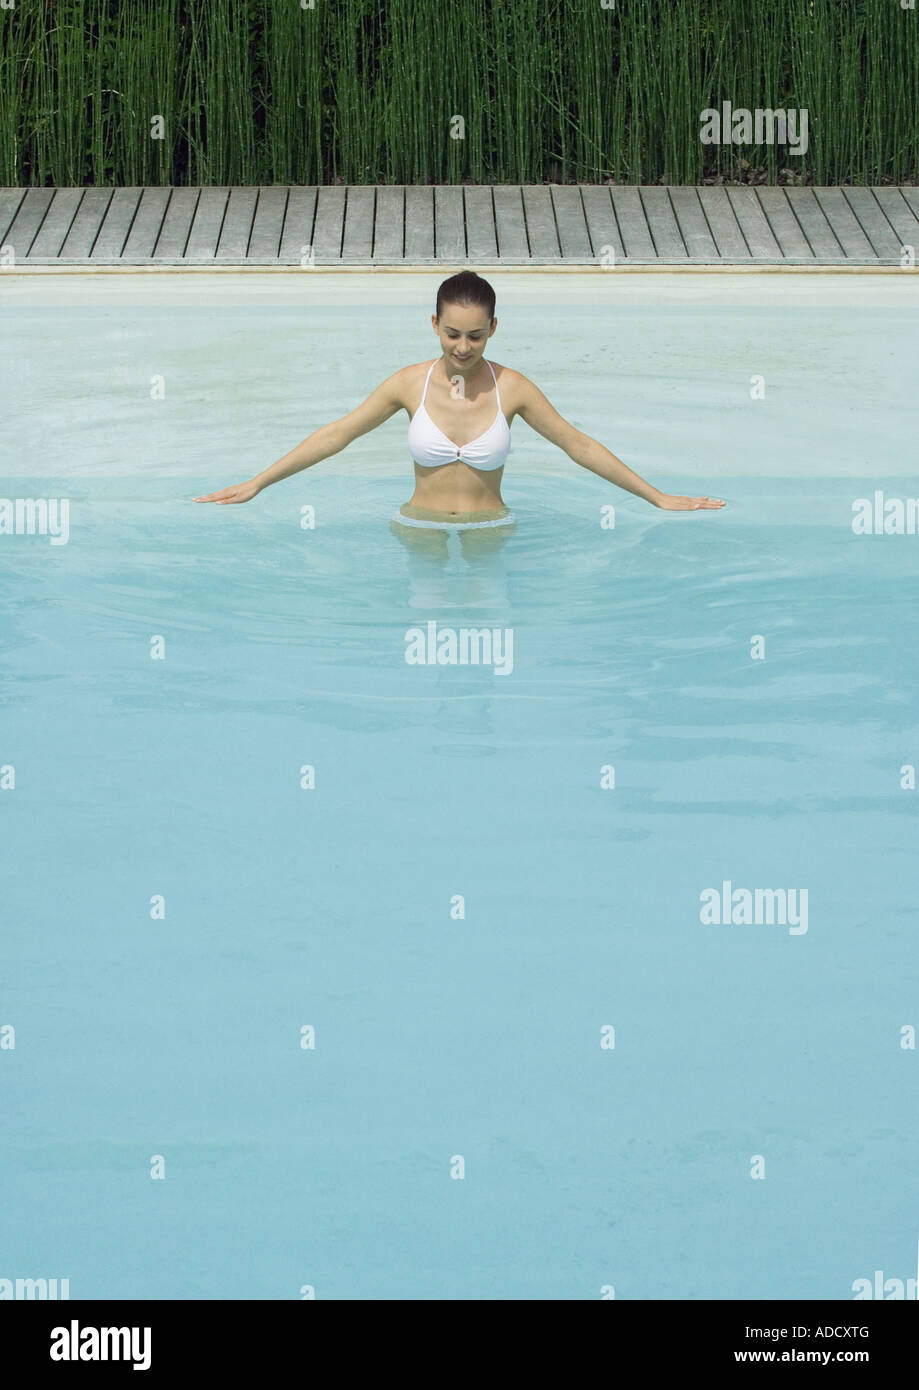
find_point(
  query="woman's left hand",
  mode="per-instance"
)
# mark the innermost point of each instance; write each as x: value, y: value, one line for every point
x: 670, y: 503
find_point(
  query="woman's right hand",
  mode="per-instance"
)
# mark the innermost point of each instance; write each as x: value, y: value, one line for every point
x: 239, y: 492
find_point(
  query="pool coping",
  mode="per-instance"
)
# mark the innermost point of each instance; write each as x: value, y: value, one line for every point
x: 441, y: 267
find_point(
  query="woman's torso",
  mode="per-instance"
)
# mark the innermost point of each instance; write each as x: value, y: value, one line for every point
x: 442, y: 424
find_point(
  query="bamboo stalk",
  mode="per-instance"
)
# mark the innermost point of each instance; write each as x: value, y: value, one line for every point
x: 365, y: 91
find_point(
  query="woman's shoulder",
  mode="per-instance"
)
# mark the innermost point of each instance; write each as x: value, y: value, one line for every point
x: 405, y: 383
x: 513, y: 384
x: 414, y: 373
x: 509, y: 374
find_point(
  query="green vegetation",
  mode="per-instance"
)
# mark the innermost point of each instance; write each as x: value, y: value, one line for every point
x: 364, y: 91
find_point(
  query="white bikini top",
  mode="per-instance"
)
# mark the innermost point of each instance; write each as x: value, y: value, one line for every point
x: 429, y: 446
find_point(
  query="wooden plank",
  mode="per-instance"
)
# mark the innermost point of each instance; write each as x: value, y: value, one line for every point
x: 357, y: 239
x: 510, y: 224
x: 813, y: 223
x: 753, y: 224
x: 900, y: 216
x: 147, y: 224
x: 662, y: 224
x: 389, y: 224
x: 10, y: 203
x: 694, y: 229
x: 729, y: 239
x: 419, y: 224
x: 632, y: 222
x: 911, y: 195
x: 602, y: 228
x: 481, y: 236
x: 116, y: 225
x: 24, y: 227
x: 267, y: 224
x: 87, y: 224
x: 299, y: 222
x: 56, y: 224
x: 873, y: 223
x: 330, y: 222
x: 844, y: 223
x: 206, y: 224
x: 542, y: 234
x: 176, y: 225
x: 793, y: 244
x: 449, y: 223
x: 233, y: 245
x: 573, y: 237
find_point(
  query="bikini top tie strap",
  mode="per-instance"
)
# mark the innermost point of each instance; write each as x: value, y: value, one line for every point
x: 495, y: 380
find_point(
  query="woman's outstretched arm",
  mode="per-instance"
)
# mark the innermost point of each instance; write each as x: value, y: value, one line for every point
x: 322, y: 443
x: 591, y: 454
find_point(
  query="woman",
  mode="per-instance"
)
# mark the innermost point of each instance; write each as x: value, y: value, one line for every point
x: 460, y: 409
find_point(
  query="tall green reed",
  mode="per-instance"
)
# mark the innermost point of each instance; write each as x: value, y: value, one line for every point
x: 369, y: 91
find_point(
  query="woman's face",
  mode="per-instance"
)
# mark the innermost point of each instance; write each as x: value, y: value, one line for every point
x: 463, y: 330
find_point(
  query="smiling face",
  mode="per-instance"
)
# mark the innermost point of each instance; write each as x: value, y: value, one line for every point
x: 463, y: 330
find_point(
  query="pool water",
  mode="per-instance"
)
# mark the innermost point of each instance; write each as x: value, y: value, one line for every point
x: 239, y: 812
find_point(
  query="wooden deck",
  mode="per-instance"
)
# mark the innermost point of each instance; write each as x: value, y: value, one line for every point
x: 396, y: 226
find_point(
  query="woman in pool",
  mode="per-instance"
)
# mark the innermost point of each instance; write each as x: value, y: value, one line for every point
x: 460, y: 409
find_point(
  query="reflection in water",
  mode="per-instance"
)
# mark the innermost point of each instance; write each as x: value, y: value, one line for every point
x: 431, y: 582
x: 484, y: 542
x: 423, y: 542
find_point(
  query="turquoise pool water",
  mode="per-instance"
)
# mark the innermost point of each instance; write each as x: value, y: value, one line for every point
x: 180, y: 903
